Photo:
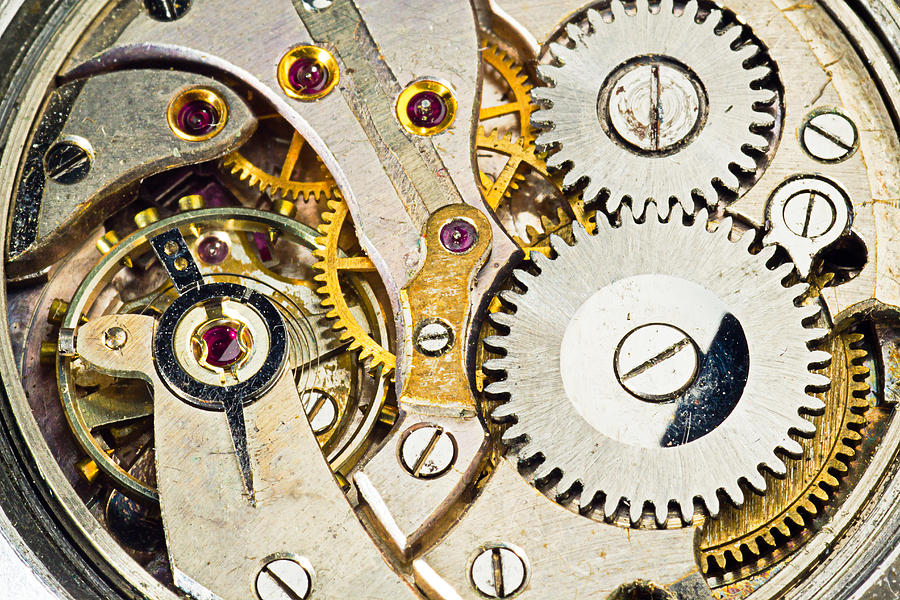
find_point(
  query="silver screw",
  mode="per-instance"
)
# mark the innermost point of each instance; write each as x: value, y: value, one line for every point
x: 656, y: 362
x: 809, y: 214
x: 285, y: 579
x: 654, y: 107
x: 321, y: 408
x: 433, y: 337
x: 829, y: 136
x: 115, y: 337
x: 427, y: 451
x: 499, y: 572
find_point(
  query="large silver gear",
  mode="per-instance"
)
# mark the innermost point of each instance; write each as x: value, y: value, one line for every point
x: 654, y: 104
x: 655, y: 362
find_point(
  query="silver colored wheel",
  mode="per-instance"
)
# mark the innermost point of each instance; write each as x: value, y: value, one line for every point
x: 666, y: 394
x: 655, y: 104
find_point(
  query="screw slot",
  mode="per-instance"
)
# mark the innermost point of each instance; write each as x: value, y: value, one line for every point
x: 829, y: 136
x: 69, y: 160
x: 285, y: 578
x: 427, y: 451
x: 499, y: 571
x: 167, y: 10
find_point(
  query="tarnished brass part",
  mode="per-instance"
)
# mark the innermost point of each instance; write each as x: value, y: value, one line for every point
x: 88, y: 470
x: 57, y: 311
x: 48, y: 353
x: 285, y: 208
x: 282, y: 183
x: 389, y: 415
x: 146, y: 217
x: 107, y: 242
x: 743, y: 534
x: 330, y: 266
x: 439, y: 291
x: 519, y: 86
x: 192, y: 202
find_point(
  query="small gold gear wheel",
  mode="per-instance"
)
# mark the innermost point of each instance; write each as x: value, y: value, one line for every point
x: 331, y: 267
x: 742, y: 541
x: 281, y: 184
x: 519, y: 102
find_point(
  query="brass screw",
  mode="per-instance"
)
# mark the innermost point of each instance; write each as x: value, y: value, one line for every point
x: 146, y: 217
x: 48, y: 353
x: 58, y: 310
x: 109, y: 241
x: 192, y: 202
x: 88, y: 469
x: 285, y: 208
x: 388, y: 415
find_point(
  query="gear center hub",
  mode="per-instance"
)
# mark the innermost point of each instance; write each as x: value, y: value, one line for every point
x: 653, y: 105
x: 654, y: 361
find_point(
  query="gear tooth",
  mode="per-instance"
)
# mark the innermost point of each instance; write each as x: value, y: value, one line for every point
x: 512, y: 435
x: 502, y: 412
x: 777, y: 466
x: 666, y: 7
x: 651, y: 213
x: 791, y: 446
x: 617, y: 8
x: 731, y: 35
x: 510, y: 297
x: 573, y: 32
x: 734, y: 491
x: 495, y: 341
x: 557, y: 243
x: 757, y: 481
x: 712, y: 504
x: 543, y: 471
x: 502, y: 319
x: 759, y: 73
x: 661, y: 509
x: 817, y: 381
x: 635, y: 510
x: 498, y: 364
x: 566, y: 483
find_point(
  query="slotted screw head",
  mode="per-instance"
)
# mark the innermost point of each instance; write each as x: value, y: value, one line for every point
x: 427, y: 451
x: 285, y: 579
x: 499, y: 571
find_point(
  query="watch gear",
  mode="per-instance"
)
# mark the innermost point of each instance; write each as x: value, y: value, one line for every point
x: 318, y: 187
x: 753, y: 534
x: 518, y: 86
x: 659, y: 365
x: 520, y: 154
x: 655, y: 104
x: 331, y: 265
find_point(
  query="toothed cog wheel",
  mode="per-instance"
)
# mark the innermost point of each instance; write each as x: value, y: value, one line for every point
x: 676, y: 365
x: 656, y: 104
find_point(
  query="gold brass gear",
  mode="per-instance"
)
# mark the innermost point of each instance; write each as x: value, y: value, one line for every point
x: 331, y: 266
x: 519, y: 88
x: 752, y: 536
x: 282, y: 183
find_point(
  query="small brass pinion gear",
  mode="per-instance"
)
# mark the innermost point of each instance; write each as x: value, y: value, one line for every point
x: 750, y: 536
